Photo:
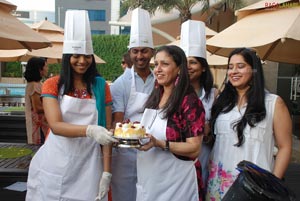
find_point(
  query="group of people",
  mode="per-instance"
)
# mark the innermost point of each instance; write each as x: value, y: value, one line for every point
x: 197, y: 134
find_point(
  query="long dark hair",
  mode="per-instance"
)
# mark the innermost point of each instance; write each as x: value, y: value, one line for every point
x: 66, y: 75
x: 206, y: 79
x: 256, y: 110
x: 182, y: 88
x: 33, y: 67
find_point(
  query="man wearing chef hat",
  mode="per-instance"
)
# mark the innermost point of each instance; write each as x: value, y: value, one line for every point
x: 129, y: 92
x: 193, y: 43
x: 69, y: 166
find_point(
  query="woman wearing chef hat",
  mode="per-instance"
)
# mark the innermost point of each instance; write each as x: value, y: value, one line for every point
x: 193, y: 42
x: 71, y: 165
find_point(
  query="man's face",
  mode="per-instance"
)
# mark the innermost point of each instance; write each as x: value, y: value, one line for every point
x: 141, y: 56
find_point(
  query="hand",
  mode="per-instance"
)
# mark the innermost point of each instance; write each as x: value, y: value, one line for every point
x: 151, y: 142
x: 104, y: 185
x: 100, y: 134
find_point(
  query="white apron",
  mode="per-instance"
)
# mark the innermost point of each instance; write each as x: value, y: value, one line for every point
x: 162, y: 176
x: 206, y: 149
x: 124, y: 159
x: 67, y: 169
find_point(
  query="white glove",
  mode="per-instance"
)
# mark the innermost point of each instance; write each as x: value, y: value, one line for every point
x: 100, y: 134
x: 104, y: 185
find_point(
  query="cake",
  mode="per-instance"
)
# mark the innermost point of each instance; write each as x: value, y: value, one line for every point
x: 129, y: 130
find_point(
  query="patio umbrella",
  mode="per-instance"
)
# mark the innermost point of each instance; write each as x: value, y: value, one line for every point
x: 53, y: 33
x: 273, y: 32
x: 16, y: 35
x: 259, y: 5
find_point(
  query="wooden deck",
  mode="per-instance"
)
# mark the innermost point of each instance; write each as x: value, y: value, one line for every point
x: 18, y: 165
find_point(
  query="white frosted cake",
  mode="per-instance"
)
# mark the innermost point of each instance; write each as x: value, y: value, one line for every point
x: 129, y: 130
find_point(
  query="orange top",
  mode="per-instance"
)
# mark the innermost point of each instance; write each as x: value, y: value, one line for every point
x: 49, y: 89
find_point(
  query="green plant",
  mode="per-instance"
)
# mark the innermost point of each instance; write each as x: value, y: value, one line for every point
x: 110, y: 48
x: 13, y: 69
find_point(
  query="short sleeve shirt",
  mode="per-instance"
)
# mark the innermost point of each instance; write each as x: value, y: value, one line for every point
x: 188, y: 122
x: 120, y: 89
x: 50, y: 90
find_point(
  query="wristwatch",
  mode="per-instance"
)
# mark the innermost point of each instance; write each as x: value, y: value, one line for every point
x: 167, y: 147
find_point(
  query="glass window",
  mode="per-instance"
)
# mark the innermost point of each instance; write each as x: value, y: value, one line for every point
x: 97, y: 15
x: 98, y: 32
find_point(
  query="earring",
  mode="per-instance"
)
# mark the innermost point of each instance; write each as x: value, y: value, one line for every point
x: 177, y: 80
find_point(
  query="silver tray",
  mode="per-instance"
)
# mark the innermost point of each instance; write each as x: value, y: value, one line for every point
x: 131, y: 142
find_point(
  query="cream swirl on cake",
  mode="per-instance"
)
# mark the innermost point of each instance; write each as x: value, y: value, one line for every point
x: 129, y: 130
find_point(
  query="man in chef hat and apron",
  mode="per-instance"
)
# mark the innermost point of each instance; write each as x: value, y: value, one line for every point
x: 129, y: 92
x: 70, y: 166
x: 193, y: 43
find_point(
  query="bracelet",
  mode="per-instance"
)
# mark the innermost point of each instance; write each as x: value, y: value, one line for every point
x: 167, y: 148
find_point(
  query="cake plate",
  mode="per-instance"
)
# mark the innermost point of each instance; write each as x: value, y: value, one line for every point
x: 131, y: 142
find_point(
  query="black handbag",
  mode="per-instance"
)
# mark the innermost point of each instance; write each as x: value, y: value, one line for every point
x: 257, y: 184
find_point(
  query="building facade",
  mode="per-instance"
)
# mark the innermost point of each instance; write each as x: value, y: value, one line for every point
x: 99, y: 13
x: 34, y: 16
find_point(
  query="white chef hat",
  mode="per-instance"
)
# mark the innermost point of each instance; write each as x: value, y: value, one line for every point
x: 193, y: 38
x: 77, y: 33
x: 141, y: 32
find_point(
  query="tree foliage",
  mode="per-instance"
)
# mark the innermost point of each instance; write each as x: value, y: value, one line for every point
x: 183, y: 6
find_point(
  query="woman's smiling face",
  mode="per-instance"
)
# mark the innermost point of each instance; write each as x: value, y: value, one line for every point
x: 195, y: 68
x: 239, y: 72
x: 80, y: 63
x: 165, y: 70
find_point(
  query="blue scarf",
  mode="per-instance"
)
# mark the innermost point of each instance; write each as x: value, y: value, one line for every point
x: 99, y: 91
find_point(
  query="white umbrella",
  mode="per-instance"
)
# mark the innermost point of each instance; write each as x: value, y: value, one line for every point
x: 50, y: 31
x: 273, y: 32
x: 16, y: 35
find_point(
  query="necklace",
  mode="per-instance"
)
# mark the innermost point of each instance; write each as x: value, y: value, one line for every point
x: 80, y: 93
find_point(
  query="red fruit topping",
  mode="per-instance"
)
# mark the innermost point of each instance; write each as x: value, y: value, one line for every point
x: 126, y: 121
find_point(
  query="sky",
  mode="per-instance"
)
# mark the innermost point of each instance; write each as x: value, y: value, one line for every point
x: 27, y: 5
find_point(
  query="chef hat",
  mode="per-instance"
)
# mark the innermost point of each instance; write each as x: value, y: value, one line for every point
x: 141, y: 32
x: 193, y: 39
x: 77, y: 33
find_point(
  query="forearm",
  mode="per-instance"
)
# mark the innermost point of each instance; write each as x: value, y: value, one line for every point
x: 189, y: 149
x: 117, y: 117
x: 108, y: 117
x: 282, y: 161
x: 107, y: 152
x: 68, y: 130
x: 282, y: 125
